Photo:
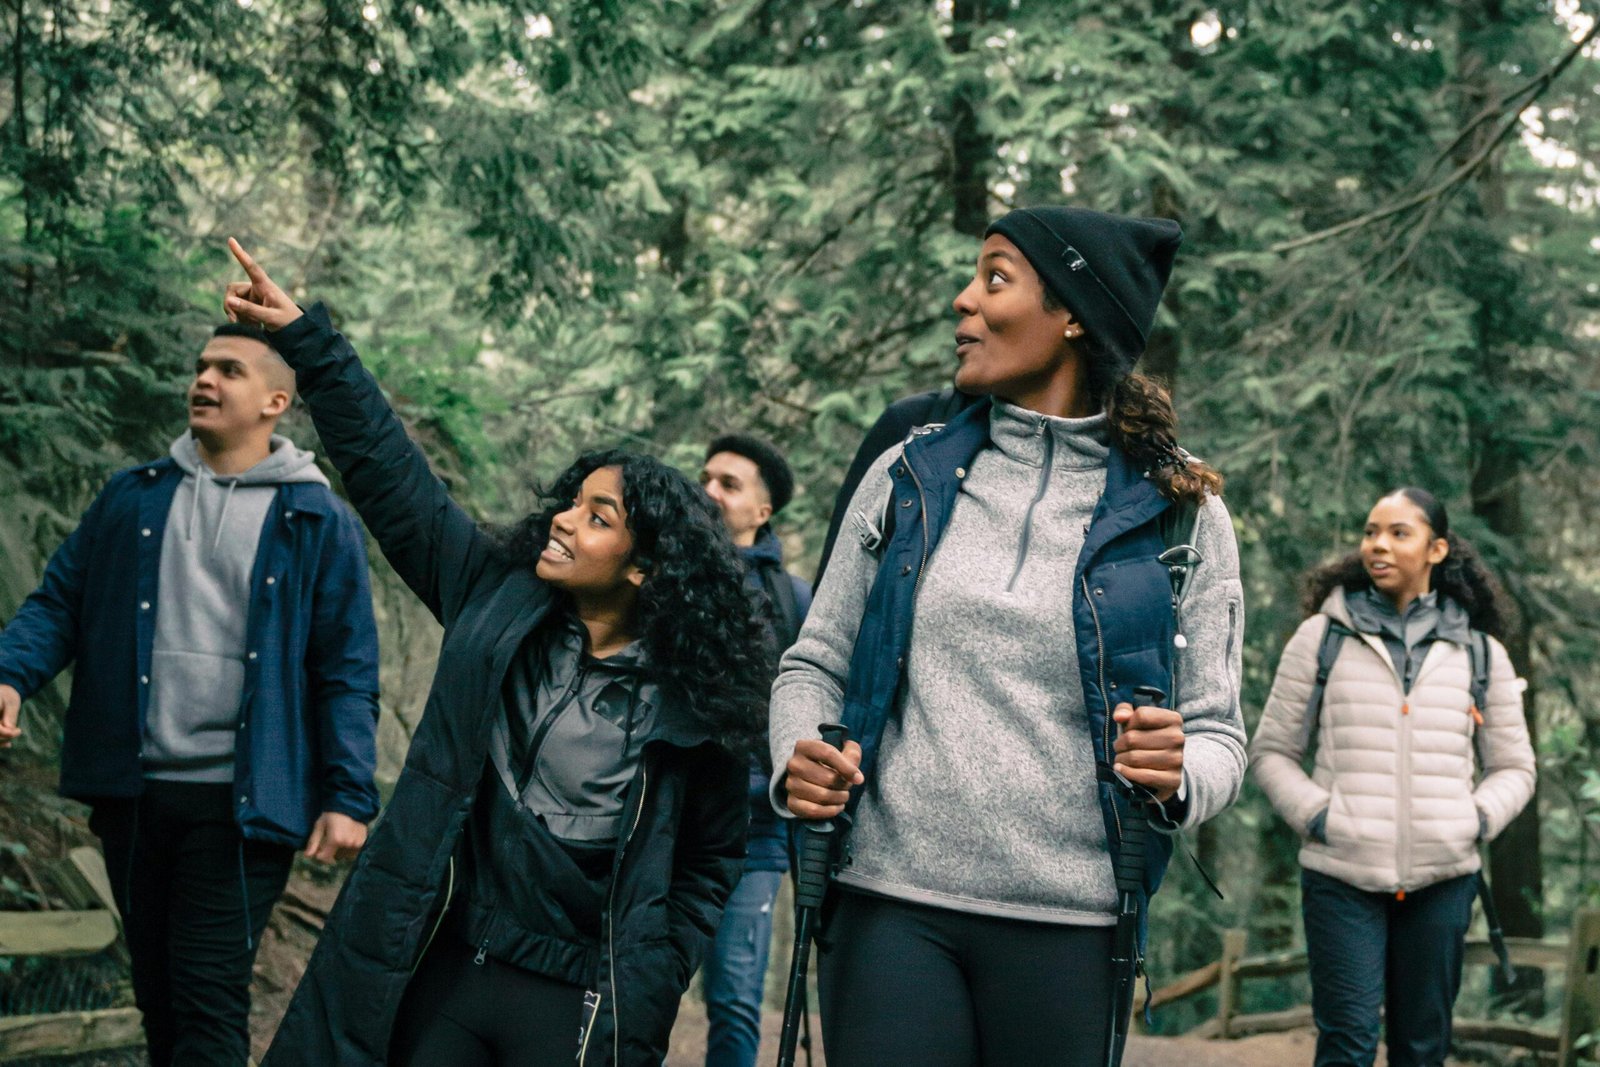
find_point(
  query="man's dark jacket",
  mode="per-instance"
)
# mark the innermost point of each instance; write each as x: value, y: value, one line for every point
x: 308, y: 712
x: 769, y: 835
x: 676, y: 864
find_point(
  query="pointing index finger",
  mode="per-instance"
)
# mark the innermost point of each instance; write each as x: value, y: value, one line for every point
x: 250, y: 266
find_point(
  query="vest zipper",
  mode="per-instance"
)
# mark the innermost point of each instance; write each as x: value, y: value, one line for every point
x: 1105, y: 699
x: 922, y: 497
x: 611, y: 926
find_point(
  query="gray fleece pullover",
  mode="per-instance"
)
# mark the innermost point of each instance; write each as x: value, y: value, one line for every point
x: 984, y: 797
x: 202, y: 607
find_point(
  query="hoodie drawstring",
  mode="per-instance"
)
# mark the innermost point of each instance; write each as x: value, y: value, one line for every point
x: 223, y: 520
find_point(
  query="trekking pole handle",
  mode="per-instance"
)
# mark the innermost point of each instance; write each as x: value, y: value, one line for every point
x: 1150, y: 696
x: 817, y: 839
x: 835, y: 734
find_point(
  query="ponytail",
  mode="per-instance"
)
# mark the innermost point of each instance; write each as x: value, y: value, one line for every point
x: 1144, y: 425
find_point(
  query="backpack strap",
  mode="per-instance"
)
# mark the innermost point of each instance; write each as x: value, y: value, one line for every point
x: 784, y: 606
x: 1327, y: 655
x: 1478, y: 654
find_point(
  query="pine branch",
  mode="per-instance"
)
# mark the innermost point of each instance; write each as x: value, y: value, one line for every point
x: 1461, y: 174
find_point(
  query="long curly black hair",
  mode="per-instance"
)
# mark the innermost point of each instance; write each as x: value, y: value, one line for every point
x: 1462, y: 576
x: 709, y: 644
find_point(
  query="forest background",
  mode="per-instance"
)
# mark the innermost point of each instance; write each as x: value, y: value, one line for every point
x: 560, y: 223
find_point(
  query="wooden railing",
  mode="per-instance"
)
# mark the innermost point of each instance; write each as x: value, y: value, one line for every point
x: 92, y: 925
x: 1578, y: 957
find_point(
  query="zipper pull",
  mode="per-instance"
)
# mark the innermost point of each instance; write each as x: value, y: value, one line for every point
x: 483, y: 951
x: 1405, y: 709
x: 1477, y: 716
x: 1400, y: 895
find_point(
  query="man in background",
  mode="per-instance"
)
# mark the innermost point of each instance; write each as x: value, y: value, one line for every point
x: 224, y: 703
x: 750, y: 481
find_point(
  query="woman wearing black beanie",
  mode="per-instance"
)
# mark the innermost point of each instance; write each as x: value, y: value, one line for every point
x: 990, y: 633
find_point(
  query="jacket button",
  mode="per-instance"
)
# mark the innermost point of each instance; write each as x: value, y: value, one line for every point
x: 288, y: 514
x: 241, y: 724
x: 252, y: 655
x: 961, y: 472
x: 145, y: 532
x: 905, y: 503
x: 150, y: 472
x: 272, y: 581
x: 244, y: 800
x: 144, y: 605
x: 905, y: 570
x: 144, y: 679
x: 900, y: 663
x: 1099, y: 592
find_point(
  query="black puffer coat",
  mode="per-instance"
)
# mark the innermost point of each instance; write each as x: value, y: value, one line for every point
x: 686, y: 809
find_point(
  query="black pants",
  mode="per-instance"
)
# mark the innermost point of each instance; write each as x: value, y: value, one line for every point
x: 1370, y: 951
x: 195, y: 897
x: 464, y: 1014
x: 902, y: 984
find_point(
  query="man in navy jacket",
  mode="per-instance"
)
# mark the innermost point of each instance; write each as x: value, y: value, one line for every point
x: 750, y: 481
x: 224, y: 702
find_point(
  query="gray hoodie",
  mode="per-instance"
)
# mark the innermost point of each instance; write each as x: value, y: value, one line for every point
x: 202, y: 608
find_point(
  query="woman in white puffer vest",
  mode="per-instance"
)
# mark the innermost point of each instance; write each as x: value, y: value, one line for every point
x: 1410, y: 776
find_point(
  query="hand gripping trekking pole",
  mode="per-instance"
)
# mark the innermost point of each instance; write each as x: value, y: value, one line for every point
x: 818, y: 861
x: 1125, y: 957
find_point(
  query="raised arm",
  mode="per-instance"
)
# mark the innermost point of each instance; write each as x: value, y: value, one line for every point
x: 432, y: 543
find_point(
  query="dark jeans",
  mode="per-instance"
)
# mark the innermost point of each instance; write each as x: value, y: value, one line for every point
x: 1370, y: 951
x: 904, y: 985
x: 457, y: 1013
x: 736, y: 971
x: 195, y: 897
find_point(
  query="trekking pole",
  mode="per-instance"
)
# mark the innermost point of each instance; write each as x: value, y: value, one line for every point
x: 1125, y: 958
x: 818, y: 852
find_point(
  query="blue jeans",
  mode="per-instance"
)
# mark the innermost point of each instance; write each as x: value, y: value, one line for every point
x: 1368, y: 952
x: 736, y: 971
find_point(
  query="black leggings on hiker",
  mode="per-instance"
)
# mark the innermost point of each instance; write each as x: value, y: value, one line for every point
x: 904, y: 984
x: 457, y: 1013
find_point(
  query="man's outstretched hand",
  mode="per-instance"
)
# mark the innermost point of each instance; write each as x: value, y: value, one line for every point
x: 258, y: 301
x: 10, y: 711
x: 335, y: 837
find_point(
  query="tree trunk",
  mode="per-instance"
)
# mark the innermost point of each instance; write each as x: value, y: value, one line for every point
x: 971, y: 148
x: 1516, y: 864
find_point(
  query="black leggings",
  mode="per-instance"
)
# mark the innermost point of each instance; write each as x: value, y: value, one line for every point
x: 487, y: 1014
x: 904, y: 984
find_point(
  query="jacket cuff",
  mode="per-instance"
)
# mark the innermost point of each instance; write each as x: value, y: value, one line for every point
x: 314, y: 321
x: 359, y: 809
x: 778, y: 793
x: 17, y: 682
x: 1169, y: 816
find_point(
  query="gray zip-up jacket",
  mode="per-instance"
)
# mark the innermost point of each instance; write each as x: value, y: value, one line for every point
x: 984, y: 798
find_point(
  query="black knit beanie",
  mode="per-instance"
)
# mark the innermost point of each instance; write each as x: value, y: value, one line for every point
x: 1108, y: 270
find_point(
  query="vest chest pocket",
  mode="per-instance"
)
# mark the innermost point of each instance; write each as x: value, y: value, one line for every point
x: 1133, y: 600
